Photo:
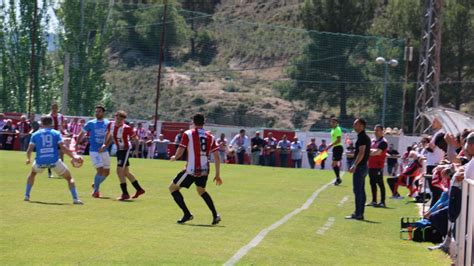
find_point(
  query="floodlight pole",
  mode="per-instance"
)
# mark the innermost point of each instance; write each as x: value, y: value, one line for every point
x: 162, y: 44
x: 32, y: 61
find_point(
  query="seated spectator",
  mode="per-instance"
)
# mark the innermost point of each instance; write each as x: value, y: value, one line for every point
x: 162, y: 147
x: 407, y: 178
x: 9, y: 134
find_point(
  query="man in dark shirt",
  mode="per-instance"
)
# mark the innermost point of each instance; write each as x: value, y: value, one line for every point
x: 359, y: 169
x: 392, y: 160
x: 257, y: 144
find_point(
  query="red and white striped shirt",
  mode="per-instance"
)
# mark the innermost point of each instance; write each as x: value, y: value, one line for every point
x: 57, y: 121
x: 199, y: 144
x: 75, y: 128
x: 121, y: 135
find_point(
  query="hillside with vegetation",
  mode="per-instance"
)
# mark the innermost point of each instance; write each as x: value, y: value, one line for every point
x: 278, y: 63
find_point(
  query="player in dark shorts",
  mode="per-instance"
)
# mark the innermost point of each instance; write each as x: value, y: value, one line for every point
x: 199, y: 145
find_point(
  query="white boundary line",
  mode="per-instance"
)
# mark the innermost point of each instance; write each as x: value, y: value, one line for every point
x: 256, y: 240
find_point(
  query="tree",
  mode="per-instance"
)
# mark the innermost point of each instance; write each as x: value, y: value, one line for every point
x: 457, y: 54
x: 85, y: 39
x: 16, y: 19
x: 329, y: 57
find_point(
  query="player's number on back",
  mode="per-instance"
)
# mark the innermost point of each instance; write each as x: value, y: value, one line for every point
x: 203, y: 142
x: 47, y: 141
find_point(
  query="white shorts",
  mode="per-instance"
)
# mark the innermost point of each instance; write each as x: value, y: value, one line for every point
x: 59, y: 167
x: 101, y: 159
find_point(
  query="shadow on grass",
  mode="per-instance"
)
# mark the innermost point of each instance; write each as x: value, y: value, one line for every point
x: 203, y: 225
x: 48, y: 203
x: 369, y: 221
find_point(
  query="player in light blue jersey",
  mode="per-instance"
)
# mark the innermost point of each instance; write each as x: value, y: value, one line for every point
x: 97, y: 130
x: 45, y: 141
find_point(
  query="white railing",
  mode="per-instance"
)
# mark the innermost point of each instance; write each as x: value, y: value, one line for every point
x: 465, y: 225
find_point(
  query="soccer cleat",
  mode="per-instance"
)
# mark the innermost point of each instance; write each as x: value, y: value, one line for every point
x: 373, y: 204
x: 96, y: 194
x: 216, y: 220
x: 138, y: 193
x: 186, y: 217
x: 337, y: 182
x: 78, y: 202
x: 381, y: 205
x: 124, y: 197
x: 27, y: 198
x: 354, y: 217
x: 396, y: 197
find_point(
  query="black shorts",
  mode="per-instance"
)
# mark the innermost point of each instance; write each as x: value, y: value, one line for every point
x: 337, y: 153
x: 122, y: 158
x: 183, y: 179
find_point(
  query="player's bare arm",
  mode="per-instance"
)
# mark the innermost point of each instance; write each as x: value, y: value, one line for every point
x: 178, y: 154
x: 31, y: 147
x: 359, y: 158
x: 217, y: 162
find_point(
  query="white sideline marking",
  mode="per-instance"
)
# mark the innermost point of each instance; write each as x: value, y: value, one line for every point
x: 346, y: 198
x: 256, y: 240
x: 326, y: 226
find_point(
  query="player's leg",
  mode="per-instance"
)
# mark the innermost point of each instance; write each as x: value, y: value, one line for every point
x: 373, y: 186
x: 99, y: 166
x: 336, y: 159
x: 62, y: 170
x: 201, y: 190
x: 382, y: 187
x: 134, y: 182
x: 181, y: 180
x: 29, y: 183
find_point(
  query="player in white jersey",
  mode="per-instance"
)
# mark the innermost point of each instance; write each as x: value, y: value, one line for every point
x: 199, y: 145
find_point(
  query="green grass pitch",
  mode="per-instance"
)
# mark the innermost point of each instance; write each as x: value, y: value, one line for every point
x: 50, y: 230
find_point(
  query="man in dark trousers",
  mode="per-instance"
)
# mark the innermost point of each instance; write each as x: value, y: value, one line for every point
x: 359, y: 168
x: 378, y: 153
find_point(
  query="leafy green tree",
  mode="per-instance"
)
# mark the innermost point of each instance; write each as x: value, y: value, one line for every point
x: 330, y: 57
x: 86, y: 39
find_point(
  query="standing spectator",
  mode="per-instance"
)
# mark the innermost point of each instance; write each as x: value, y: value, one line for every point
x: 269, y: 149
x: 378, y: 152
x: 284, y: 147
x: 162, y: 147
x: 337, y: 149
x: 3, y: 122
x: 177, y: 141
x: 34, y: 125
x: 392, y: 160
x: 240, y: 142
x: 311, y: 150
x: 359, y: 168
x: 9, y: 133
x: 257, y: 146
x: 350, y: 151
x: 434, y: 155
x: 24, y: 129
x: 140, y: 147
x: 222, y: 144
x: 322, y: 148
x: 296, y: 152
x: 75, y: 127
x: 150, y: 145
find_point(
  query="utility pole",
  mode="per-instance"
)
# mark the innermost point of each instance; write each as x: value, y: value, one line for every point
x: 162, y: 44
x: 408, y: 57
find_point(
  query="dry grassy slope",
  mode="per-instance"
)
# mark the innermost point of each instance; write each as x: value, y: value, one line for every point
x: 224, y: 101
x: 232, y: 102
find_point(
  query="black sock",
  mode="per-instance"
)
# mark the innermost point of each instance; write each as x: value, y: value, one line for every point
x: 136, y: 185
x: 207, y: 198
x: 49, y: 171
x: 178, y: 197
x: 123, y: 186
x: 336, y: 171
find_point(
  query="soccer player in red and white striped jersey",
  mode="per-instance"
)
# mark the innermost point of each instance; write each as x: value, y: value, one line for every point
x: 122, y: 134
x: 199, y: 145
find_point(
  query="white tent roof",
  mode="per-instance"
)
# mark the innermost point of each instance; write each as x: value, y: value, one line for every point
x: 453, y: 121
